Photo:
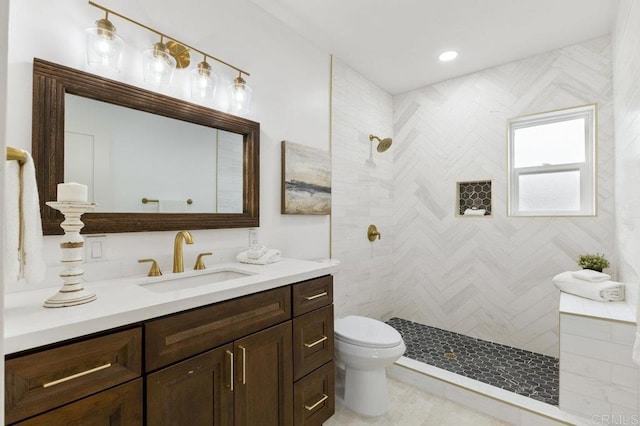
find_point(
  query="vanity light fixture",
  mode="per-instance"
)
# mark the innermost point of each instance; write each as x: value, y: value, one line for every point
x: 159, y: 65
x: 104, y: 46
x: 240, y: 95
x: 163, y: 58
x: 203, y: 82
x: 447, y: 56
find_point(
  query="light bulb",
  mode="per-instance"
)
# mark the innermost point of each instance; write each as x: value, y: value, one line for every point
x: 203, y: 82
x: 104, y: 46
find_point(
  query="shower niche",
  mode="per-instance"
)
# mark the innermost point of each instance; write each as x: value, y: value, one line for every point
x: 473, y: 198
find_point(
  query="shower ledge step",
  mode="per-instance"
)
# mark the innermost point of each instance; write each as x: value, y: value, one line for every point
x: 493, y: 401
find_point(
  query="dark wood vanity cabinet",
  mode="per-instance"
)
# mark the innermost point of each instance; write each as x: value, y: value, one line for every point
x: 265, y: 358
x: 314, y: 395
x: 47, y: 380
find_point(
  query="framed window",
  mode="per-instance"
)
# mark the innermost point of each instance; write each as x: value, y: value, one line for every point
x: 552, y: 163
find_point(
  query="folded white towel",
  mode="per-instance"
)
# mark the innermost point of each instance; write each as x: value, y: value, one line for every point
x: 474, y: 212
x: 605, y: 291
x: 23, y: 240
x: 270, y: 256
x: 256, y: 252
x: 590, y: 275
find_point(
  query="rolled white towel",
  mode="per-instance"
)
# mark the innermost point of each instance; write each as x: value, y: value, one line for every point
x: 270, y: 256
x: 605, y: 291
x: 475, y: 212
x: 256, y: 252
x: 590, y: 275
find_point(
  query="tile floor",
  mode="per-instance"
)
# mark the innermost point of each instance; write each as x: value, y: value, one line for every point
x: 525, y: 373
x: 411, y: 406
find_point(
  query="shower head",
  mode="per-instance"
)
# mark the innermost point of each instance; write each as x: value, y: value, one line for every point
x: 383, y: 144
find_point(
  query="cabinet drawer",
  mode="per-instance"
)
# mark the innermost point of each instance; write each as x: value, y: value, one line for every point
x: 120, y: 406
x: 314, y: 397
x: 51, y: 378
x: 180, y: 336
x: 312, y: 340
x: 312, y: 294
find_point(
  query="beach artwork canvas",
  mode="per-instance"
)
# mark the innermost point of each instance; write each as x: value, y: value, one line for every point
x: 306, y: 180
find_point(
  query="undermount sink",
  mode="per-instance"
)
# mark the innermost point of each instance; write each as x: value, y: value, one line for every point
x: 182, y: 281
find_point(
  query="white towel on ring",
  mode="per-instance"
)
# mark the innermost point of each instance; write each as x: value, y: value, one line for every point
x: 25, y: 259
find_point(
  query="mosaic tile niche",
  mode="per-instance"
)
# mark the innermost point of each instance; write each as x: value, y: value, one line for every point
x: 474, y: 195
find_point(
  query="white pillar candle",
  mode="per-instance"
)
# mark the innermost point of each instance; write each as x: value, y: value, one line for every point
x: 72, y: 192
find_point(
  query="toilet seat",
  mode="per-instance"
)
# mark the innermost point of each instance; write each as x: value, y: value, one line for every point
x: 366, y: 332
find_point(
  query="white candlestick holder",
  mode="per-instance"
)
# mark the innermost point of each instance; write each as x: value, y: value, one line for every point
x: 72, y: 244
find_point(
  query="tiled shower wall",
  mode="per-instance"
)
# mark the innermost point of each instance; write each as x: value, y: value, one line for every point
x: 491, y: 278
x: 626, y: 69
x: 362, y: 194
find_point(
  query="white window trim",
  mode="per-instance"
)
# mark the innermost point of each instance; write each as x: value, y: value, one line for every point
x: 587, y: 169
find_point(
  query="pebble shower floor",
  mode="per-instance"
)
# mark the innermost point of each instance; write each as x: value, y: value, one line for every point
x: 525, y: 373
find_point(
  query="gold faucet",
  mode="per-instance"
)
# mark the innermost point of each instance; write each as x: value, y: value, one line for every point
x: 178, y: 265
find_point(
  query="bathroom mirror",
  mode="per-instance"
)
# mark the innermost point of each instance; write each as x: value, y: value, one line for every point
x: 205, y: 175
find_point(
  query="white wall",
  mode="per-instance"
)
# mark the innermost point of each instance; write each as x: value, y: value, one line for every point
x: 362, y: 195
x: 626, y: 69
x: 289, y: 76
x: 490, y: 277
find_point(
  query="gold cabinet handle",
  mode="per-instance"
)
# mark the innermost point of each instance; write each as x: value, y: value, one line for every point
x: 75, y: 376
x: 312, y: 407
x: 317, y: 342
x: 230, y: 369
x: 244, y: 364
x: 315, y: 296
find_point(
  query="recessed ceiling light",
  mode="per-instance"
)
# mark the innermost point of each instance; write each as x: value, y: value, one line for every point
x: 449, y: 55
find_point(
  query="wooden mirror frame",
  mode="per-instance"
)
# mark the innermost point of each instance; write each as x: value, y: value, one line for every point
x: 50, y: 84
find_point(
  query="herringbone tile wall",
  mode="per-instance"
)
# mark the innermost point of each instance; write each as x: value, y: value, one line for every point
x: 626, y: 69
x: 490, y: 277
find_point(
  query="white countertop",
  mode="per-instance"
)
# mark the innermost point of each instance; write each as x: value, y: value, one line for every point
x: 27, y: 324
x: 617, y: 311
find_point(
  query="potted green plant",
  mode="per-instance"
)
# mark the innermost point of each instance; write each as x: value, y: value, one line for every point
x: 596, y: 262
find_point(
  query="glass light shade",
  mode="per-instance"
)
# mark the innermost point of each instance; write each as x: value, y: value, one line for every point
x: 203, y: 83
x: 104, y: 48
x: 158, y: 66
x: 240, y: 96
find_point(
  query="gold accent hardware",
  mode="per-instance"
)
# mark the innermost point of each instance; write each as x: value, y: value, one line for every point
x: 75, y: 376
x: 372, y: 233
x: 315, y: 296
x: 15, y: 154
x: 244, y: 364
x: 383, y: 144
x: 146, y: 200
x: 182, y: 45
x: 312, y: 407
x: 230, y: 369
x: 180, y: 53
x: 200, y: 263
x: 155, y: 269
x: 178, y: 257
x: 317, y: 342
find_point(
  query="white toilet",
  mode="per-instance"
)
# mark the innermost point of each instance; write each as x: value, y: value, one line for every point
x: 364, y: 347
